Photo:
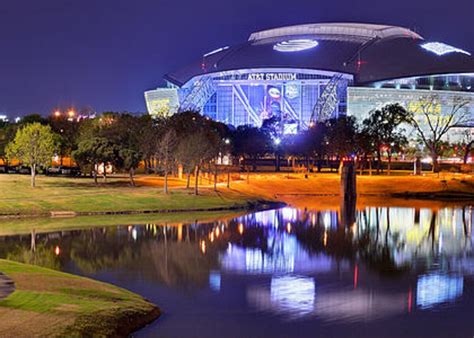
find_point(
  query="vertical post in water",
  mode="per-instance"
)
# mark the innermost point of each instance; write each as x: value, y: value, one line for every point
x: 348, y: 194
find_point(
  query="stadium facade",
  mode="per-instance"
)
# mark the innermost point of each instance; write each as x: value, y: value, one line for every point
x: 307, y: 73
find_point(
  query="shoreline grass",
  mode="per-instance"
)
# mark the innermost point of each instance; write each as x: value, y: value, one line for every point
x: 79, y: 196
x: 52, y: 303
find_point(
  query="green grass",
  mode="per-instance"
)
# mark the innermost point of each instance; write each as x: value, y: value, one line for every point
x: 48, y: 302
x: 81, y: 195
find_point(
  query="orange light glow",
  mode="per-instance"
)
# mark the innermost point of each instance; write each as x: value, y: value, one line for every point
x: 241, y: 228
x: 218, y: 232
x: 57, y: 250
x: 288, y: 227
x: 57, y: 113
x: 203, y: 247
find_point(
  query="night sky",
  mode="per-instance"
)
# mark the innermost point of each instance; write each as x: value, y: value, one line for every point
x: 104, y: 54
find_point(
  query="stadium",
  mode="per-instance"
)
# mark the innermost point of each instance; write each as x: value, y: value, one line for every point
x: 307, y: 73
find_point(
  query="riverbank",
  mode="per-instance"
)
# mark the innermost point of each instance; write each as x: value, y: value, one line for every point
x: 52, y: 303
x: 57, y: 196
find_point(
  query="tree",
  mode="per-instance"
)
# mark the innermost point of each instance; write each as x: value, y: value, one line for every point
x: 341, y: 136
x: 197, y: 149
x: 129, y: 159
x: 34, y: 145
x: 250, y: 143
x: 7, y: 134
x: 186, y: 155
x: 67, y: 131
x: 93, y: 151
x: 382, y: 128
x: 432, y: 124
x: 166, y: 153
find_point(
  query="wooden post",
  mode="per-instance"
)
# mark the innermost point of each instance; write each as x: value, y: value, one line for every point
x: 348, y: 194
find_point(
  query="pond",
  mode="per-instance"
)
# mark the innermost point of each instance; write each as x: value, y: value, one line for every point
x: 289, y: 272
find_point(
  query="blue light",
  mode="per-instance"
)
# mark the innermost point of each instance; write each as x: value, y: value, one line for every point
x: 441, y: 49
x: 215, y: 281
x: 296, y: 45
x: 435, y: 289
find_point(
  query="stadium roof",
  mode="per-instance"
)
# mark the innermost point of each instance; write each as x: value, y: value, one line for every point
x: 369, y: 52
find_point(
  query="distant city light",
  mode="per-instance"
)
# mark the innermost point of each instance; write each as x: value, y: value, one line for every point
x: 295, y: 45
x: 277, y: 141
x: 441, y: 49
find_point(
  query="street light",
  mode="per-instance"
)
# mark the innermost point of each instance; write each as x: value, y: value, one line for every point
x: 71, y: 113
x: 277, y: 141
x: 57, y: 113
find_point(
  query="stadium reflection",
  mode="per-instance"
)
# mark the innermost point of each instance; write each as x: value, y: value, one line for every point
x: 395, y: 266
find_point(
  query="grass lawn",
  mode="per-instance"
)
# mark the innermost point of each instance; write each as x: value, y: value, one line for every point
x: 51, y: 303
x: 81, y: 195
x: 57, y: 194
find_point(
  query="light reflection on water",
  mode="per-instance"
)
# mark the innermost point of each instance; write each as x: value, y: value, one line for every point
x: 394, y: 268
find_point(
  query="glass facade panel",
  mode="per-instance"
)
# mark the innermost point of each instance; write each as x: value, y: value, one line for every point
x: 250, y: 98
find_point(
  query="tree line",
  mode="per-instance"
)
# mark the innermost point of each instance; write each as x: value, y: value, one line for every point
x: 194, y: 143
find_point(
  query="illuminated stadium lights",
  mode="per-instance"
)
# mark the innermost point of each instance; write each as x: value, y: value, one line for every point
x: 216, y: 51
x: 441, y: 49
x: 296, y: 45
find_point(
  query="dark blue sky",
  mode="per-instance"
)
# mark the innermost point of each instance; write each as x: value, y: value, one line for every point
x: 105, y: 53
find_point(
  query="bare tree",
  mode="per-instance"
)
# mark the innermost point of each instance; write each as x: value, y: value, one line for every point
x: 431, y: 124
x: 165, y: 151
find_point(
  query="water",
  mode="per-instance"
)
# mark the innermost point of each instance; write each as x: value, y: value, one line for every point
x: 394, y: 272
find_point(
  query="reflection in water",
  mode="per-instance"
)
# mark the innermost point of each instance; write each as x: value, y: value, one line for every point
x: 289, y: 295
x: 436, y: 288
x: 287, y: 265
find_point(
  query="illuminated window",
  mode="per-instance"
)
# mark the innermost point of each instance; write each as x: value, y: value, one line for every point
x: 296, y: 45
x: 440, y: 48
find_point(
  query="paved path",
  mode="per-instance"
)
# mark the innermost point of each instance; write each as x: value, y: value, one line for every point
x: 7, y: 286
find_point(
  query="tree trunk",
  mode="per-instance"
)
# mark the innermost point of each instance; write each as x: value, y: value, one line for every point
x: 94, y: 172
x: 379, y: 161
x: 196, y: 181
x: 188, y: 179
x: 105, y: 173
x: 389, y: 166
x: 435, y: 167
x: 131, y: 173
x: 467, y: 151
x: 228, y: 179
x: 215, y: 178
x: 166, y: 181
x: 33, y: 175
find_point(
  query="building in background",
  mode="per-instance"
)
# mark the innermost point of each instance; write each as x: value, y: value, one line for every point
x: 308, y: 73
